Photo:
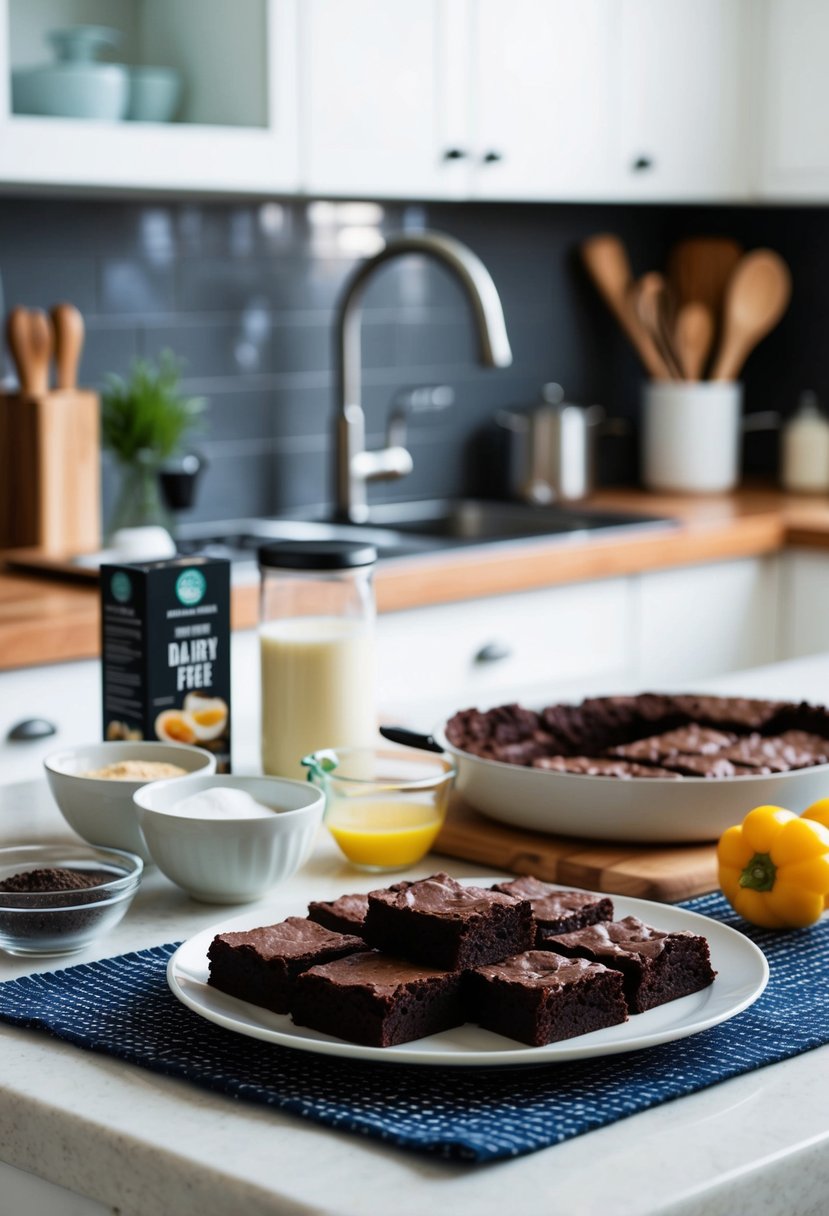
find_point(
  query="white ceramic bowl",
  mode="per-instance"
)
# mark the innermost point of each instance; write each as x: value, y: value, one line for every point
x: 102, y: 811
x: 230, y: 861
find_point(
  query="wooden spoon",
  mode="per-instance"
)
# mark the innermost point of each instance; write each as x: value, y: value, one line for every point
x: 607, y: 264
x: 652, y: 306
x: 30, y: 339
x: 757, y: 295
x: 693, y: 338
x: 69, y: 335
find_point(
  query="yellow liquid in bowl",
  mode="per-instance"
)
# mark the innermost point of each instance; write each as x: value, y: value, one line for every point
x: 386, y: 834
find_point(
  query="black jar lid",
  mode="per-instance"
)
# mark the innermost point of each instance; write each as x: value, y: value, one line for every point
x: 316, y: 555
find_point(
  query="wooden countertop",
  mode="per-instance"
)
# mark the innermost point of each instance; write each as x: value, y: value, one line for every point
x: 43, y: 620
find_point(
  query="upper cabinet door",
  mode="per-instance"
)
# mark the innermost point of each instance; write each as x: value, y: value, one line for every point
x: 383, y: 98
x: 235, y: 127
x: 542, y: 98
x: 681, y: 68
x: 793, y: 98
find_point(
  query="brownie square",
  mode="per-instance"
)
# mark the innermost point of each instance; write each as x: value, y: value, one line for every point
x: 344, y: 915
x: 261, y: 965
x: 440, y: 923
x: 539, y: 997
x: 377, y: 1000
x: 656, y: 966
x: 792, y: 749
x: 556, y: 911
x: 712, y: 767
x: 690, y: 740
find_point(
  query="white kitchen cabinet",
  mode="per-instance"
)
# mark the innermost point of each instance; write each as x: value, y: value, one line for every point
x: 383, y: 91
x: 523, y: 99
x: 804, y: 620
x: 681, y: 78
x: 542, y: 98
x: 529, y: 646
x: 237, y: 127
x: 456, y: 98
x: 699, y: 621
x: 792, y: 98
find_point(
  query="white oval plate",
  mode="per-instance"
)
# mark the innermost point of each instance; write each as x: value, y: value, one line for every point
x: 742, y: 974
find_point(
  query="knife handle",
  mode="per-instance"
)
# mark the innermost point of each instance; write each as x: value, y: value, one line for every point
x: 69, y: 336
x: 30, y: 338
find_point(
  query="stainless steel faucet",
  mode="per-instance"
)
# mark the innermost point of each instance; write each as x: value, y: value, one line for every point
x: 355, y: 466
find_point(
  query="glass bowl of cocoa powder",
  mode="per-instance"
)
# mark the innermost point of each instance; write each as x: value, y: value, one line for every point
x: 57, y: 898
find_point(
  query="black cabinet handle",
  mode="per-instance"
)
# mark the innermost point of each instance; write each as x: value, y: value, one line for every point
x: 492, y: 157
x: 642, y: 164
x: 493, y: 652
x: 455, y: 154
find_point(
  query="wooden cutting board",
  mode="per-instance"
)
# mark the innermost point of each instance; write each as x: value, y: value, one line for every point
x: 663, y: 872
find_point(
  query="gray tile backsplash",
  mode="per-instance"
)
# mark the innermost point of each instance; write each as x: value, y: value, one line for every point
x: 245, y: 293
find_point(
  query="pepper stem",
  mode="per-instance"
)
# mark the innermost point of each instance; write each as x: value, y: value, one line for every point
x: 760, y: 873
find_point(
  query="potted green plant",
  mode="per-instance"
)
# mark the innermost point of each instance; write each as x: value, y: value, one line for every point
x: 144, y: 419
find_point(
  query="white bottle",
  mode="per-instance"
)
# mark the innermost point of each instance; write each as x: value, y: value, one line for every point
x: 806, y: 449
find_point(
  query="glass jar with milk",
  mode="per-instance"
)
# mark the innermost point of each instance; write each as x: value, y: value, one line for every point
x: 316, y: 641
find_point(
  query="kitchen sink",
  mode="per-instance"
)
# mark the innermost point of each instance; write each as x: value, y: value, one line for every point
x: 479, y: 521
x: 406, y: 529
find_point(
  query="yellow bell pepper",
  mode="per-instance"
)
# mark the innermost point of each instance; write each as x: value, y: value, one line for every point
x: 819, y: 811
x: 774, y: 868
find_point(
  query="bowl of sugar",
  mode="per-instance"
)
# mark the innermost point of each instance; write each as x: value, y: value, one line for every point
x: 229, y: 839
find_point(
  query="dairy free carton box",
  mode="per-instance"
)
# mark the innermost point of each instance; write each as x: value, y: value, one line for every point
x: 165, y: 651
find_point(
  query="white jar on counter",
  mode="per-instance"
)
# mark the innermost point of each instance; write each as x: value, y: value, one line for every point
x: 316, y: 639
x: 805, y: 466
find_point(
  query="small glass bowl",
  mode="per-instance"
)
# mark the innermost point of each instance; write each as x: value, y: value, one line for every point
x: 383, y: 806
x: 63, y: 922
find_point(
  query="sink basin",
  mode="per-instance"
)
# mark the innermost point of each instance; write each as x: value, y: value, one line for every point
x: 479, y: 521
x: 405, y: 529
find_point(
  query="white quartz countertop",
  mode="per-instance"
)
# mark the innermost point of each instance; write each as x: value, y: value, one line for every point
x: 141, y: 1144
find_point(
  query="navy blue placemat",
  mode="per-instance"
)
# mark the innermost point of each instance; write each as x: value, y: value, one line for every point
x: 123, y: 1007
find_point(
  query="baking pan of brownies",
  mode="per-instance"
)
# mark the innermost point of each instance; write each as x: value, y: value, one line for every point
x: 651, y: 767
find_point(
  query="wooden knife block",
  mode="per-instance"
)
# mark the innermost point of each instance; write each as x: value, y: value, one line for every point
x: 50, y: 471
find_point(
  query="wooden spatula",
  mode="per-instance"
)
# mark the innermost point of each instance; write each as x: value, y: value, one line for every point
x: 699, y: 269
x: 693, y: 338
x: 756, y: 297
x: 69, y: 335
x: 607, y: 263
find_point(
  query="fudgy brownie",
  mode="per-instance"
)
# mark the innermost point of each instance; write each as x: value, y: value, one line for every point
x: 712, y: 767
x: 539, y: 998
x: 344, y: 915
x: 377, y: 1000
x: 792, y: 749
x: 656, y: 966
x: 690, y: 740
x: 554, y: 910
x: 262, y: 965
x: 441, y: 923
x: 600, y: 767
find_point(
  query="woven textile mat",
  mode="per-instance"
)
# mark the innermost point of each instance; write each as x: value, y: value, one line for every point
x: 122, y: 1007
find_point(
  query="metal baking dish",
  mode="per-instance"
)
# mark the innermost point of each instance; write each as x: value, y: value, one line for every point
x: 648, y: 810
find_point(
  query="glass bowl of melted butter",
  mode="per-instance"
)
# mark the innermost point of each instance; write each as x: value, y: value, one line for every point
x: 383, y: 806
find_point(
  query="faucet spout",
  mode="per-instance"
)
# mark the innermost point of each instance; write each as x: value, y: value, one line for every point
x: 354, y: 466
